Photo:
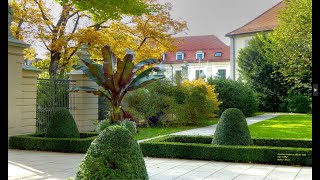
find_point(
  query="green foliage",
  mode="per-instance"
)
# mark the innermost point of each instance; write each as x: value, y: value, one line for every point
x: 198, y: 104
x: 235, y: 94
x: 261, y: 75
x: 62, y: 125
x: 116, y: 77
x: 162, y: 103
x: 299, y: 104
x: 41, y: 143
x: 114, y: 154
x: 155, y: 104
x: 102, y: 125
x: 131, y: 126
x: 191, y: 147
x: 290, y: 47
x: 232, y: 129
x: 109, y: 9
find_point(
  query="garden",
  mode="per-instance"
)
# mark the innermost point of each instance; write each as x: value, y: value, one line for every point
x: 137, y: 101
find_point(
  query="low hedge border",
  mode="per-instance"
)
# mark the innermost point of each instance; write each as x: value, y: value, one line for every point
x: 303, y: 143
x: 200, y: 147
x: 39, y: 142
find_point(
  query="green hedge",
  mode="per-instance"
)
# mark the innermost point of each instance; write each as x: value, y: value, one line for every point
x: 39, y: 142
x: 188, y: 147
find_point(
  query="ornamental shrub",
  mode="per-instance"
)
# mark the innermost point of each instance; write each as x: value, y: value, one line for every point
x: 62, y: 125
x: 114, y: 154
x: 298, y: 104
x: 153, y: 104
x: 234, y: 94
x: 232, y: 129
x: 200, y: 103
x: 103, y: 124
x: 130, y: 125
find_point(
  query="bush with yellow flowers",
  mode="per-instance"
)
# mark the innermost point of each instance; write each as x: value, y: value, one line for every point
x: 199, y: 104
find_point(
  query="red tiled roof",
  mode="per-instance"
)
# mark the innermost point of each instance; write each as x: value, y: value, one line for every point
x: 189, y: 45
x: 265, y: 22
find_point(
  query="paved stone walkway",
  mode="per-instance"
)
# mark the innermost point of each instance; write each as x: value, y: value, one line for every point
x: 36, y: 165
x: 39, y: 165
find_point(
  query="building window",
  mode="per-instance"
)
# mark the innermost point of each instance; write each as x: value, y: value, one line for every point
x: 179, y: 56
x: 199, y: 55
x: 218, y: 54
x: 222, y: 73
x: 198, y: 73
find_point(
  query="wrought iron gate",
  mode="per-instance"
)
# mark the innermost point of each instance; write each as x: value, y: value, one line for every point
x: 52, y: 93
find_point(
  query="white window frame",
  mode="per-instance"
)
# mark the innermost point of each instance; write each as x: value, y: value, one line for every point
x: 216, y: 53
x: 201, y: 53
x: 178, y: 54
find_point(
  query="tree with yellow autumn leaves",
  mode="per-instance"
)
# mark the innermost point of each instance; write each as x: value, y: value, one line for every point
x: 143, y: 26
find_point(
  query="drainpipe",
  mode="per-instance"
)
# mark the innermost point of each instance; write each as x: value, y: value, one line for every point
x: 172, y: 72
x: 233, y: 59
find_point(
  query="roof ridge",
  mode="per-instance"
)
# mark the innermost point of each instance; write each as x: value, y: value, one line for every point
x: 196, y: 36
x: 255, y: 18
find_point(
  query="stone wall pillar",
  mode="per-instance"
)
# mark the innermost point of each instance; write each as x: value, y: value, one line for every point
x: 21, y: 87
x: 22, y: 92
x: 85, y: 104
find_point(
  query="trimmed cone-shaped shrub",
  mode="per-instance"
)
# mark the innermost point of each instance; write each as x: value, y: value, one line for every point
x: 114, y: 154
x: 62, y: 125
x: 232, y: 129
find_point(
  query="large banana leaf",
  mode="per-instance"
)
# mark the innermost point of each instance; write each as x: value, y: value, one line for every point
x: 144, y: 81
x: 143, y: 63
x: 124, y: 71
x: 109, y: 62
x: 86, y: 70
x: 95, y: 69
x: 99, y: 92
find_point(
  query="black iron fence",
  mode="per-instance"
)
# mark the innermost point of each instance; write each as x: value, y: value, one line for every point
x: 52, y: 93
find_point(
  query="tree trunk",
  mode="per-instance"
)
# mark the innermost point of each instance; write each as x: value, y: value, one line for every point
x: 116, y: 113
x: 53, y: 68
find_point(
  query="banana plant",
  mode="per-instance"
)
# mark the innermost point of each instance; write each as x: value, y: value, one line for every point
x: 116, y: 77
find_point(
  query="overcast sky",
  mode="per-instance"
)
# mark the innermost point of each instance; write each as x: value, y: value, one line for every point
x: 217, y: 17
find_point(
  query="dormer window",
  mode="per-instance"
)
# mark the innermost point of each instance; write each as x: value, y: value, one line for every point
x: 179, y: 56
x: 199, y: 55
x: 218, y: 54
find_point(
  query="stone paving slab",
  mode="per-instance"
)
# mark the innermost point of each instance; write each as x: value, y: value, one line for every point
x: 50, y: 167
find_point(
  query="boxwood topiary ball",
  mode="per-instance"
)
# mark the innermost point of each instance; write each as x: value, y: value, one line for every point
x: 232, y: 129
x: 62, y: 125
x: 114, y: 154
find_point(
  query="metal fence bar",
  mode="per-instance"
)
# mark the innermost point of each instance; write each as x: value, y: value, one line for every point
x: 52, y: 93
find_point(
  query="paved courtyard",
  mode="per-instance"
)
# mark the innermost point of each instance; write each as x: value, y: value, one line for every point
x: 38, y: 165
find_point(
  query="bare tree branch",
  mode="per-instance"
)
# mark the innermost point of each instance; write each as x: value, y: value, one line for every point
x: 143, y: 41
x: 44, y: 15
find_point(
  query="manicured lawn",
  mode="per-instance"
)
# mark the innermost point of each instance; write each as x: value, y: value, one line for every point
x: 149, y: 132
x: 284, y: 126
